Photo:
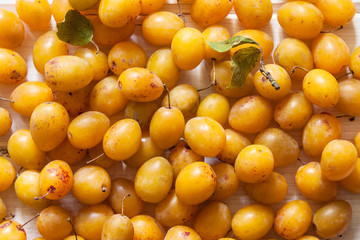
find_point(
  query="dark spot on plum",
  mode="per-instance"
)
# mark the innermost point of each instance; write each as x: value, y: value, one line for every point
x: 63, y: 176
x: 51, y: 170
x: 15, y: 75
x: 325, y: 121
x: 51, y: 188
x: 5, y: 225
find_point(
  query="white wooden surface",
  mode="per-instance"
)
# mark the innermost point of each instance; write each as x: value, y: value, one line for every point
x: 199, y: 77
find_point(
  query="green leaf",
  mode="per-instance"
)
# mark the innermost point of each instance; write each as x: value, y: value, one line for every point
x: 76, y: 29
x: 242, y: 63
x: 230, y: 43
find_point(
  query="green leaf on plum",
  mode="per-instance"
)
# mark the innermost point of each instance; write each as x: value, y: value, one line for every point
x: 242, y: 63
x: 230, y: 43
x: 76, y: 29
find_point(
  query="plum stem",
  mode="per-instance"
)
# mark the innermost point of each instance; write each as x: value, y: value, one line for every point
x: 351, y: 118
x: 96, y: 158
x: 19, y: 172
x: 96, y: 46
x: 21, y: 226
x: 6, y: 99
x: 266, y: 73
x: 48, y: 192
x: 10, y: 217
x: 345, y: 74
x: 180, y: 14
x: 333, y: 30
x: 72, y: 225
x: 4, y: 152
x: 302, y: 162
x: 162, y: 230
x: 123, y: 201
x: 302, y: 68
x: 213, y: 82
x: 168, y: 94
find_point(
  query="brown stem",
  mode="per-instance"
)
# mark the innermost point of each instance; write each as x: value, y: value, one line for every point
x: 345, y: 74
x: 205, y: 88
x: 103, y: 189
x: 72, y: 225
x: 162, y: 230
x: 168, y: 93
x: 50, y: 190
x: 214, y: 71
x: 266, y: 73
x: 6, y: 99
x: 96, y: 158
x: 21, y: 227
x: 334, y: 30
x: 351, y: 118
x: 4, y: 152
x: 302, y: 162
x: 9, y: 218
x: 180, y: 14
x: 96, y: 46
x: 302, y: 68
x: 183, y: 140
x: 213, y: 82
x: 123, y: 201
x: 19, y: 172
